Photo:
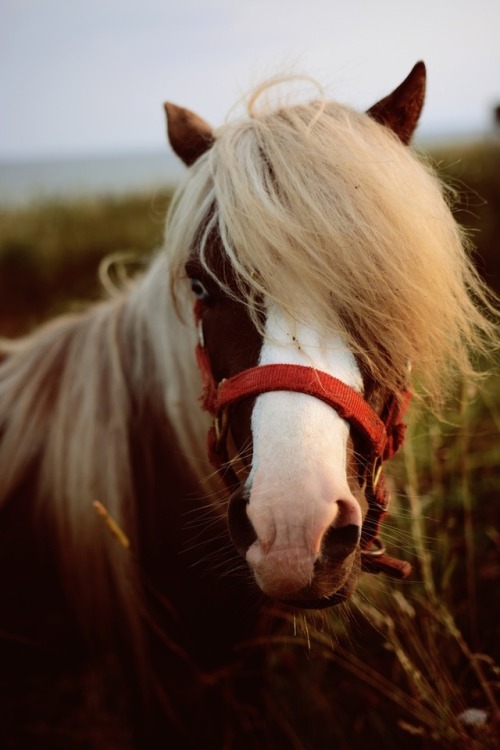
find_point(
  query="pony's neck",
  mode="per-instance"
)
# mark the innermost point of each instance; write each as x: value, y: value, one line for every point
x: 76, y: 398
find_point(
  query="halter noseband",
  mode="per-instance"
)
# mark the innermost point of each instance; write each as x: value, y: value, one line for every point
x: 380, y: 437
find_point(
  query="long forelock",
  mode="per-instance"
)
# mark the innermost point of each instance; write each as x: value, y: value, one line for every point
x: 325, y: 213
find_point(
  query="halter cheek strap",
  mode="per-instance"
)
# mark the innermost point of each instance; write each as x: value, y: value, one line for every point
x: 378, y: 438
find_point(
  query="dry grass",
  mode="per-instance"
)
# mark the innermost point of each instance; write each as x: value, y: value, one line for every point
x: 421, y: 657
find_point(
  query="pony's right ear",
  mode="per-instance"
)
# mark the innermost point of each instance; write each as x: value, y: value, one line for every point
x: 189, y: 135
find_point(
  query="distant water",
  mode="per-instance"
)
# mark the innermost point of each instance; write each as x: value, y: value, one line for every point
x: 38, y: 179
x: 22, y: 182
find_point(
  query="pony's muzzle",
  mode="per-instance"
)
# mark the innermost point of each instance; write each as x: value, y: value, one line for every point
x: 305, y: 577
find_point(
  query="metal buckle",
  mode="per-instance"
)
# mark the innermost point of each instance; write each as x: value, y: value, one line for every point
x: 377, y: 548
x: 201, y: 337
x: 221, y: 421
x: 376, y: 471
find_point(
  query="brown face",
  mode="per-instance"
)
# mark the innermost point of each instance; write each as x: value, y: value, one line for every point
x: 297, y: 514
x: 231, y: 340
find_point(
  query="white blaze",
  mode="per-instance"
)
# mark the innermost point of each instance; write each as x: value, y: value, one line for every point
x: 298, y: 483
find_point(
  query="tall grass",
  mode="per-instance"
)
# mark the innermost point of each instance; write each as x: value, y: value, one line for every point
x: 473, y: 171
x: 50, y: 252
x: 442, y: 628
x: 416, y: 663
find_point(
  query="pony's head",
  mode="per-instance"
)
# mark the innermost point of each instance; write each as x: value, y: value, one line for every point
x: 316, y: 247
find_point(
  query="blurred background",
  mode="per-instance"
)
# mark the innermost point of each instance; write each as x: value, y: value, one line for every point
x: 85, y: 171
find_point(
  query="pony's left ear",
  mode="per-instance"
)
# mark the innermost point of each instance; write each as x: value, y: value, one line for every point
x: 189, y: 135
x: 400, y: 110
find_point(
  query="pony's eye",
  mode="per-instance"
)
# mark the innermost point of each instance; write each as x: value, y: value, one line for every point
x: 199, y: 290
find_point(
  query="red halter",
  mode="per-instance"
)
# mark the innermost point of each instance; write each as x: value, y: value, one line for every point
x: 379, y: 437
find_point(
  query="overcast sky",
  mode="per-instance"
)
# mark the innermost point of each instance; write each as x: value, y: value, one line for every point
x: 84, y: 76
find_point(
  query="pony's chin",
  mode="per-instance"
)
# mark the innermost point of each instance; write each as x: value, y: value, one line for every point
x: 330, y: 601
x: 321, y: 594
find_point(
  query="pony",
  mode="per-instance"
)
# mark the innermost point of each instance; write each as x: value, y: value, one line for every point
x: 310, y: 258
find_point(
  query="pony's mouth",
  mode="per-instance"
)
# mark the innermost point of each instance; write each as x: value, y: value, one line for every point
x: 331, y: 601
x: 340, y: 596
x: 330, y: 586
x: 332, y: 583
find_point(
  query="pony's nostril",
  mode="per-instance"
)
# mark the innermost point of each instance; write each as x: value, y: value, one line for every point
x: 348, y: 512
x: 339, y: 542
x: 241, y: 531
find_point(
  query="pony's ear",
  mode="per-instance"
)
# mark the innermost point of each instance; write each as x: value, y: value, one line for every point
x: 400, y: 110
x: 189, y: 135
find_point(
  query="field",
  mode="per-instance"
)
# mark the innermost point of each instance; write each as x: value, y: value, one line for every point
x: 414, y: 663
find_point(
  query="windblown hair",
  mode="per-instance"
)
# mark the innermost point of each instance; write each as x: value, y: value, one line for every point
x: 325, y: 212
x: 67, y: 396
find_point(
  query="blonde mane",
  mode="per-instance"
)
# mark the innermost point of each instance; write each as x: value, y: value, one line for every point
x: 325, y: 212
x: 66, y: 400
